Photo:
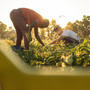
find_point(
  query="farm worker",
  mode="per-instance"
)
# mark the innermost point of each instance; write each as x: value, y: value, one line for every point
x: 67, y: 36
x: 24, y: 20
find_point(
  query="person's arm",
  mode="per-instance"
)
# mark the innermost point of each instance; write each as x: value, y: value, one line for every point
x: 30, y: 26
x: 37, y: 36
x: 57, y: 40
x: 33, y: 24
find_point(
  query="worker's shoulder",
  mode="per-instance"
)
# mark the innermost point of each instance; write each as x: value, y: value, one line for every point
x: 27, y: 9
x: 68, y: 31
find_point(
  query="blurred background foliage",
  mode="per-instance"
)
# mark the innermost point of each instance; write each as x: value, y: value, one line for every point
x: 82, y: 28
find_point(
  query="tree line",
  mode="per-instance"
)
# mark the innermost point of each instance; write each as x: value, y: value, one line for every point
x: 82, y: 28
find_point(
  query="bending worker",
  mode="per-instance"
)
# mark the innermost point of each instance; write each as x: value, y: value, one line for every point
x: 67, y: 36
x: 24, y: 20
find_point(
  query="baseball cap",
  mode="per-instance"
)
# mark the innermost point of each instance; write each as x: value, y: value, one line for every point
x: 56, y: 28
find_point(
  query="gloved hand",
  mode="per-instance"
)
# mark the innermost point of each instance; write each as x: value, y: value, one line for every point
x: 47, y: 44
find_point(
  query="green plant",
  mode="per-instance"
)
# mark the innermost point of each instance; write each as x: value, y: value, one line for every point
x: 57, y: 54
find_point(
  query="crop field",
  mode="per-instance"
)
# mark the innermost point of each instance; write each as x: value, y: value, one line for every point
x: 56, y: 55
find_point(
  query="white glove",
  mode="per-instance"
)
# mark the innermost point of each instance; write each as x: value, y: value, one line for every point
x: 47, y: 45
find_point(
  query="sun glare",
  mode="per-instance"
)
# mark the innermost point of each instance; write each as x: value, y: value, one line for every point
x: 56, y: 11
x: 62, y: 11
x: 62, y: 21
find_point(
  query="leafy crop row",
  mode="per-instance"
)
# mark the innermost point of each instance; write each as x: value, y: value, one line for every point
x: 57, y: 55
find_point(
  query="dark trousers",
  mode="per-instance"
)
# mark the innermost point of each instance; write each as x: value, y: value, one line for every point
x: 69, y: 40
x: 20, y: 26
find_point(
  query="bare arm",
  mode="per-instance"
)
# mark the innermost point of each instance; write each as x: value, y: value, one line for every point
x: 57, y: 40
x: 30, y: 26
x: 37, y: 36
